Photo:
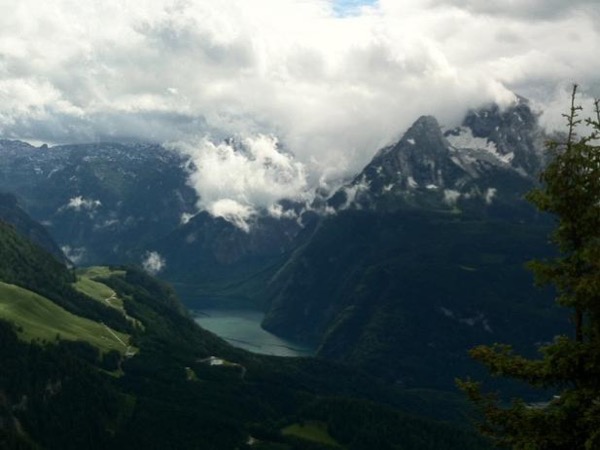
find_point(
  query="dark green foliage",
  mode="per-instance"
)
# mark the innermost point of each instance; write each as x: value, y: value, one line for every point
x: 359, y: 425
x: 61, y: 396
x: 405, y: 295
x: 26, y: 227
x: 58, y: 399
x: 569, y: 367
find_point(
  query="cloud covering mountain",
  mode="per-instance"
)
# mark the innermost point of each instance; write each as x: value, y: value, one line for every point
x: 330, y: 81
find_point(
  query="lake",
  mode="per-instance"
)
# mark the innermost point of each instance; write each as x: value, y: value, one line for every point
x: 241, y: 328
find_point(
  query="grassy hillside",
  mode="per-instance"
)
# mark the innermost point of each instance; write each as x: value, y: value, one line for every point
x: 39, y: 318
x: 28, y: 266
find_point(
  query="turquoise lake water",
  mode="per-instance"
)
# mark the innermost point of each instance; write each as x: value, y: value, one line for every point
x: 241, y: 328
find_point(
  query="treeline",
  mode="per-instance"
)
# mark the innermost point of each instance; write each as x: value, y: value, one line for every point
x: 51, y: 397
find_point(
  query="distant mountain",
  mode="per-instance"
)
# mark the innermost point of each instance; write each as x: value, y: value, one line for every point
x: 484, y: 165
x: 12, y: 214
x: 114, y: 203
x: 425, y: 254
x: 101, y: 202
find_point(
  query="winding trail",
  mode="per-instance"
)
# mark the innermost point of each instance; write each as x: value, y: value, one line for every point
x: 112, y: 297
x: 115, y: 335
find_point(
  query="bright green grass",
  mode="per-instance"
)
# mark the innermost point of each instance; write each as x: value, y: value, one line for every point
x: 99, y: 272
x: 99, y: 291
x: 42, y: 319
x: 87, y: 283
x: 311, y: 431
x: 94, y: 289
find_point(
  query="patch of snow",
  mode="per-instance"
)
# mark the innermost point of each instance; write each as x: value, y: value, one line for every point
x: 412, y: 183
x: 106, y: 224
x: 490, y: 194
x: 451, y: 196
x: 432, y: 187
x: 411, y: 141
x: 466, y: 140
x: 352, y: 191
x: 80, y: 203
x: 507, y: 159
x: 478, y: 319
x: 328, y: 211
x: 388, y: 187
x: 185, y: 218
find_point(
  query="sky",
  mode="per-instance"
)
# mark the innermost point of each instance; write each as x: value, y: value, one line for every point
x: 308, y: 90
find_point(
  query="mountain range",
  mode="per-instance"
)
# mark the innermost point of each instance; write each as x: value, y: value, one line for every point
x: 107, y: 357
x: 418, y: 257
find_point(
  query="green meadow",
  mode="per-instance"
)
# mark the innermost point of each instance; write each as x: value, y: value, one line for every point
x: 41, y: 319
x: 311, y: 431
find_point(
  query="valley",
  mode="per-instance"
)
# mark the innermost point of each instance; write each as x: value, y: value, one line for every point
x: 299, y: 225
x: 355, y: 304
x: 398, y: 271
x: 67, y: 385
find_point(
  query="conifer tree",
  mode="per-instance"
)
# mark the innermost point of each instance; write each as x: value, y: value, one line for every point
x: 569, y: 366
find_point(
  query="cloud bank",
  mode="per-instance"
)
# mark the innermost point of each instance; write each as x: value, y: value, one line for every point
x: 329, y: 81
x: 235, y: 177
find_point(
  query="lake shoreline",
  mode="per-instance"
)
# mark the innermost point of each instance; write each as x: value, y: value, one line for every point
x: 242, y: 329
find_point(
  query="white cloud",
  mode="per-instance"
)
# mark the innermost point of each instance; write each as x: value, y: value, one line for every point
x: 74, y: 254
x: 153, y: 263
x: 333, y: 88
x: 234, y: 177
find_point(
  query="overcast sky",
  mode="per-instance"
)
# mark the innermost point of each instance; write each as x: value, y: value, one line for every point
x: 328, y: 81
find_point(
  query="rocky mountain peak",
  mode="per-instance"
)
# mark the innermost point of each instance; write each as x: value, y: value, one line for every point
x: 515, y: 132
x: 494, y: 151
x: 419, y: 159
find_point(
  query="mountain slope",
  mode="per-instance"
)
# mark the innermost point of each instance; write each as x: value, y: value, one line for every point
x: 30, y: 229
x: 405, y: 295
x: 101, y: 202
x: 424, y: 257
x: 66, y: 395
x: 39, y: 318
x: 30, y: 267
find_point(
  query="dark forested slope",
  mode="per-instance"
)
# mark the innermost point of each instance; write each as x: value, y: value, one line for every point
x: 182, y: 387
